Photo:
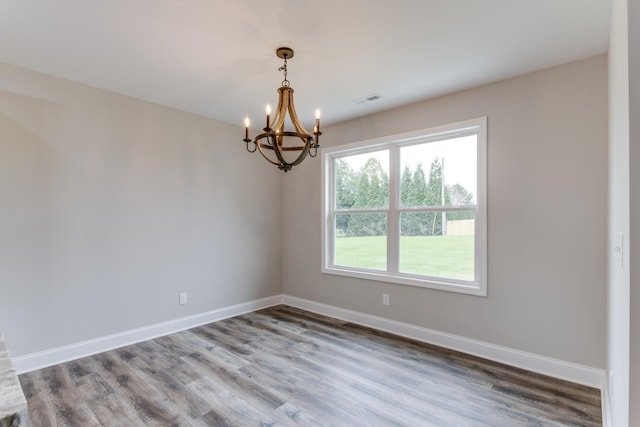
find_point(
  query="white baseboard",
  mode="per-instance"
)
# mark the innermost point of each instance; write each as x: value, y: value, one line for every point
x: 532, y: 362
x: 605, y: 397
x: 556, y: 368
x: 54, y: 356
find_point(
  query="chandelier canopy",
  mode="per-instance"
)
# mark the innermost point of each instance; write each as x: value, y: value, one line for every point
x: 284, y: 148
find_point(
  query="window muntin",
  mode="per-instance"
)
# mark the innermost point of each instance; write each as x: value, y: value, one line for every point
x: 409, y: 209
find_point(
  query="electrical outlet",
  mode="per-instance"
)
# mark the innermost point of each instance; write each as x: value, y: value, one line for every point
x: 385, y: 299
x: 183, y: 298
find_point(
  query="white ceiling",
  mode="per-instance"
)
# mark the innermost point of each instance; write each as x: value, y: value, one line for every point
x: 217, y: 58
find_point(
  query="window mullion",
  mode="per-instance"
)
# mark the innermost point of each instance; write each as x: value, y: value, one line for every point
x: 393, y: 219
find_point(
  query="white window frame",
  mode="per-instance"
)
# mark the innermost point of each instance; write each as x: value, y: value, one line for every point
x: 478, y: 286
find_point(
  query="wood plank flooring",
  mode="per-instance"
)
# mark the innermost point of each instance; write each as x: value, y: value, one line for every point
x: 287, y: 367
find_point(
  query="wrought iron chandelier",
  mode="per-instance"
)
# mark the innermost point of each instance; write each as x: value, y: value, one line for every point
x: 285, y: 149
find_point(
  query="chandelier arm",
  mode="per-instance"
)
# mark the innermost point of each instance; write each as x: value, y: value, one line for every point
x: 281, y: 111
x: 261, y: 146
x: 282, y: 163
x: 294, y: 116
x: 303, y: 137
x: 255, y: 146
x: 276, y: 149
x: 286, y: 166
x: 303, y: 155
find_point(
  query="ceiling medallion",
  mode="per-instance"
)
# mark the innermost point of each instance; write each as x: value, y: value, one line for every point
x: 285, y: 149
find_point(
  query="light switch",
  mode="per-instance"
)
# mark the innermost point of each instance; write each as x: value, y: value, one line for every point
x: 619, y: 250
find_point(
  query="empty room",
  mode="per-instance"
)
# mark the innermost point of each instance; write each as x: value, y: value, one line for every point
x: 438, y: 232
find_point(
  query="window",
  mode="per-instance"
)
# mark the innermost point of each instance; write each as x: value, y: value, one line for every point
x: 409, y: 209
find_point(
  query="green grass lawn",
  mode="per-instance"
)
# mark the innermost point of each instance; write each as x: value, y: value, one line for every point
x: 442, y: 256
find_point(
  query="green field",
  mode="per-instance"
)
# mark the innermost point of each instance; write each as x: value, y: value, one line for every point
x: 442, y: 256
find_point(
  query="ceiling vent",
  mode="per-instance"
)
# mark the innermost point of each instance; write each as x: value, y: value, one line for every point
x: 365, y: 99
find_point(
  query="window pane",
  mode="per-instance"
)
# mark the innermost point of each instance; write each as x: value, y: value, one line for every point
x: 362, y: 180
x: 431, y: 249
x: 425, y: 165
x: 361, y: 240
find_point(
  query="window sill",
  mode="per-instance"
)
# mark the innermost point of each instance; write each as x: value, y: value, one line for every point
x: 461, y: 287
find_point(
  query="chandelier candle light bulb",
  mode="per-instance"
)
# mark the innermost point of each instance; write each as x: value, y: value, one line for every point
x: 268, y: 110
x: 317, y: 127
x: 280, y: 147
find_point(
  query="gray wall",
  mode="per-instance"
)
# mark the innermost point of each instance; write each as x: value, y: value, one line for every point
x: 109, y: 207
x: 547, y: 209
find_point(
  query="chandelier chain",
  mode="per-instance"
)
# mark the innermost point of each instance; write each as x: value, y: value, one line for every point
x: 285, y: 82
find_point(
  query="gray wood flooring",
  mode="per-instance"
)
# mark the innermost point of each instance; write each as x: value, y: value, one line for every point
x: 287, y: 367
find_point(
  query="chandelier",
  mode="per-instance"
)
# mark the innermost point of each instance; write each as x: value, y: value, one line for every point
x: 284, y: 148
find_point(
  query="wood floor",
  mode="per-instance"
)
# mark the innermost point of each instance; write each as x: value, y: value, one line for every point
x: 283, y: 367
